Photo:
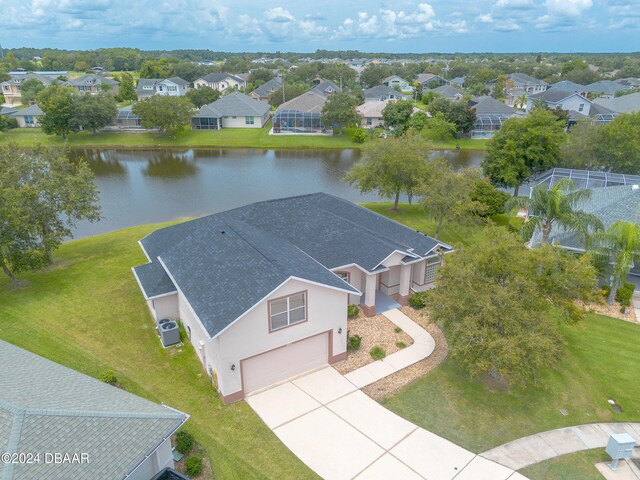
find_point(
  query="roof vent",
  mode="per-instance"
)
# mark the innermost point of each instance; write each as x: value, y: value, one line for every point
x: 222, y: 232
x: 635, y: 187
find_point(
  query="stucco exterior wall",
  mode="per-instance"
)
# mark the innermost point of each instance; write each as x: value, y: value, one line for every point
x: 240, y: 122
x: 390, y: 281
x: 355, y: 280
x: 196, y: 333
x: 165, y: 307
x: 249, y: 336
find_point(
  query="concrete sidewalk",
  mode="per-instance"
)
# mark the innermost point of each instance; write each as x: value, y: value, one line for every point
x: 423, y: 346
x: 553, y: 443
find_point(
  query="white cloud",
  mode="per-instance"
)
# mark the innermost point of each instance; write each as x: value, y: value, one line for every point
x: 486, y: 18
x: 571, y: 8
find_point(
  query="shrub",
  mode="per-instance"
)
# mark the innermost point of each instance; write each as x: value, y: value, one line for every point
x: 401, y: 345
x: 606, y: 290
x: 377, y: 353
x: 359, y: 135
x: 108, y: 376
x: 397, y: 330
x: 624, y: 294
x: 418, y: 300
x: 353, y: 342
x: 193, y: 466
x: 493, y: 198
x: 184, y: 442
x: 352, y: 311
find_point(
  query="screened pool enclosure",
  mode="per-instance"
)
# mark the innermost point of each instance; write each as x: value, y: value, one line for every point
x: 295, y: 121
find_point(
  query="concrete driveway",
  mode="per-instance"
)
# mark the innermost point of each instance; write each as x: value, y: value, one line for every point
x: 341, y: 433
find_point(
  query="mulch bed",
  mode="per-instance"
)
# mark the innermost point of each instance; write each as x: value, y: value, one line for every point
x: 603, y: 308
x: 375, y: 331
x: 396, y: 381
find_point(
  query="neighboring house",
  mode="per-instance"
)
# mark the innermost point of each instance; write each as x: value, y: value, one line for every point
x: 601, y: 115
x: 28, y: 117
x: 606, y: 88
x: 430, y: 80
x: 7, y: 110
x: 490, y: 115
x: 381, y: 93
x: 127, y: 120
x: 554, y: 98
x: 396, y: 82
x: 459, y: 82
x: 519, y: 84
x: 235, y: 110
x: 93, y: 84
x: 264, y: 91
x: 302, y: 114
x: 221, y: 81
x: 569, y: 86
x: 326, y: 88
x: 625, y: 104
x: 262, y: 290
x: 630, y: 82
x: 449, y: 92
x: 11, y: 88
x: 173, y: 87
x: 49, y: 409
x: 371, y: 113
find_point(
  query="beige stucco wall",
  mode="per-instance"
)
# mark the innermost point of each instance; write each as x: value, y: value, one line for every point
x: 165, y: 307
x: 355, y: 280
x: 249, y: 336
x: 198, y: 336
x: 390, y: 281
x: 240, y: 122
x: 22, y: 124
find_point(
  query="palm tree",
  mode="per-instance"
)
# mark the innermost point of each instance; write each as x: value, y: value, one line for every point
x: 619, y: 244
x: 556, y: 206
x: 522, y: 101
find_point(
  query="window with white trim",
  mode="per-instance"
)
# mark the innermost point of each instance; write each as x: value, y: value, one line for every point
x: 287, y: 311
x: 343, y: 275
x: 431, y: 270
x: 248, y: 120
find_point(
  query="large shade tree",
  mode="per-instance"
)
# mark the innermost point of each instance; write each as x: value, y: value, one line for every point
x: 339, y: 111
x: 167, y: 114
x: 93, y: 112
x: 506, y: 328
x: 556, y: 206
x: 618, y: 246
x: 391, y: 167
x: 57, y: 103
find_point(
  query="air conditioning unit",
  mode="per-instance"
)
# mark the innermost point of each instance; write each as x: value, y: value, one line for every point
x: 169, y: 333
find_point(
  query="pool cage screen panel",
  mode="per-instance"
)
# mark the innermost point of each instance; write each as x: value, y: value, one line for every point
x: 295, y: 121
x: 586, y: 178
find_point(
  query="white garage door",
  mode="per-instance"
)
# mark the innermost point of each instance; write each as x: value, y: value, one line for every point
x: 284, y: 362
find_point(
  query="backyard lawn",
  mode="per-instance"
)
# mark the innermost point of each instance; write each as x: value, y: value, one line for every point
x: 228, y: 137
x: 86, y: 312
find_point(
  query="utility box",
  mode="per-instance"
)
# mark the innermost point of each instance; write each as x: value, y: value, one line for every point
x: 620, y: 447
x: 169, y: 333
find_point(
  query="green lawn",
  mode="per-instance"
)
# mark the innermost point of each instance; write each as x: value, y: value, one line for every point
x: 600, y: 363
x: 86, y: 312
x: 569, y: 467
x: 228, y: 137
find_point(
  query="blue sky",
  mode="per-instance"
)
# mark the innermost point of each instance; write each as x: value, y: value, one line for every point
x: 295, y: 25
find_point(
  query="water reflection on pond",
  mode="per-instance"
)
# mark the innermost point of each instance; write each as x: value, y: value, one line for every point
x: 148, y: 186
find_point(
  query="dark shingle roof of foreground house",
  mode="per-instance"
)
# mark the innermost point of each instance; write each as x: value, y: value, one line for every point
x: 227, y: 262
x: 45, y: 407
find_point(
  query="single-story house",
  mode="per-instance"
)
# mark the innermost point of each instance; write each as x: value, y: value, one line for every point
x: 380, y: 93
x: 221, y: 81
x: 28, y: 117
x: 565, y: 100
x: 625, y: 104
x: 302, y: 114
x: 262, y: 290
x: 490, y: 115
x: 93, y: 84
x: 52, y: 410
x: 264, y: 91
x: 371, y: 113
x: 449, y: 92
x: 7, y: 110
x: 395, y: 82
x: 173, y: 87
x: 431, y: 80
x: 235, y: 110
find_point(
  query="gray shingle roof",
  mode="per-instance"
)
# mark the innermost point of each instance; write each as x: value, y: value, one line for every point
x: 448, y: 91
x: 219, y: 77
x: 92, y: 78
x: 45, y: 407
x: 525, y: 80
x: 568, y: 86
x: 555, y: 95
x: 307, y: 102
x: 33, y: 110
x: 326, y: 87
x: 489, y: 105
x: 265, y: 243
x: 605, y: 86
x: 178, y: 81
x: 7, y: 110
x: 267, y: 88
x: 153, y: 280
x: 624, y: 104
x: 381, y: 91
x: 235, y: 104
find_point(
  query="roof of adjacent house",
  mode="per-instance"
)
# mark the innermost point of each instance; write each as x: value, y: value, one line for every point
x: 489, y: 105
x: 235, y: 104
x: 45, y: 407
x: 426, y: 77
x: 177, y: 80
x: 326, y: 87
x: 219, y: 77
x: 448, y: 91
x: 524, y: 79
x: 567, y: 86
x: 92, y: 78
x: 458, y: 80
x: 372, y: 109
x: 152, y: 82
x: 310, y: 101
x: 33, y: 110
x: 624, y: 104
x: 597, y: 109
x: 7, y: 110
x: 46, y: 79
x: 391, y: 77
x: 605, y: 86
x: 555, y: 95
x: 609, y: 204
x: 380, y: 91
x: 267, y: 88
x: 256, y: 248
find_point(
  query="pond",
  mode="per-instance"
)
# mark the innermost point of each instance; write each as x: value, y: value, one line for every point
x: 150, y: 186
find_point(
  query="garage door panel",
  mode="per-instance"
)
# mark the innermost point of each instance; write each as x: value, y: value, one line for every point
x: 285, y: 362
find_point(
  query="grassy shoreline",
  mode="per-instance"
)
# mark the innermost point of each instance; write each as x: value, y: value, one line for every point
x: 227, y: 138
